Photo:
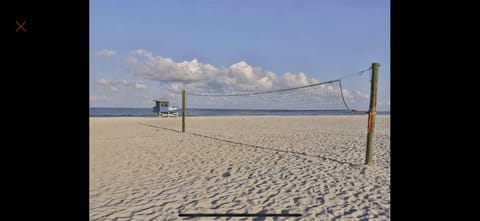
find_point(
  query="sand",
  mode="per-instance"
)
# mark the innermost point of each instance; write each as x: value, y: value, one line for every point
x: 146, y: 169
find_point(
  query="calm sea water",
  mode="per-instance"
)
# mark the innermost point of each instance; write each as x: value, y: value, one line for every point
x: 147, y: 112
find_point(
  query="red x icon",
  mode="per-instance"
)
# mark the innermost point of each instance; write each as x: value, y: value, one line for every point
x: 20, y: 26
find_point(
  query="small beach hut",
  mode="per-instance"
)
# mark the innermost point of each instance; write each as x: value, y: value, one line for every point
x: 162, y: 108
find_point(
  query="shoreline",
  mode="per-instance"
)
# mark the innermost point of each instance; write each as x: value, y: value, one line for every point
x: 312, y: 115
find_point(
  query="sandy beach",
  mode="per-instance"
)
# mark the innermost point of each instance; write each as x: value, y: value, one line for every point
x: 146, y: 169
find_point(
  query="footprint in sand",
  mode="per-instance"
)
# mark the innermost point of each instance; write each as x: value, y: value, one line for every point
x: 226, y: 174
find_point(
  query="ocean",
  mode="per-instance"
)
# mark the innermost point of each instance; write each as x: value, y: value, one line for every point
x: 147, y: 112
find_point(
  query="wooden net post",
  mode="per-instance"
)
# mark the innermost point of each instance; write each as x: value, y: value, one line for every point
x: 184, y: 107
x: 372, y: 112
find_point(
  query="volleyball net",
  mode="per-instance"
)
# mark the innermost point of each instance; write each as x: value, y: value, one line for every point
x: 324, y: 96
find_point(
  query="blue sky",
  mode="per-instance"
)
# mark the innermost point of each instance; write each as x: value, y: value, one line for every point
x: 143, y: 49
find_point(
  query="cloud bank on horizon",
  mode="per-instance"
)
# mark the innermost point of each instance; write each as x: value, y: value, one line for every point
x: 194, y: 76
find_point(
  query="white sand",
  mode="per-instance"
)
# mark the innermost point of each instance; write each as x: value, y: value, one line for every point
x: 144, y: 169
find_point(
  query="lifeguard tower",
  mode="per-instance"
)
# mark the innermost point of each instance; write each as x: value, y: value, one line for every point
x: 163, y: 109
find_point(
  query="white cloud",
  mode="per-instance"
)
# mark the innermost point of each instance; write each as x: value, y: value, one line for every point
x: 176, y: 87
x: 107, y: 92
x: 355, y: 96
x: 140, y: 86
x: 196, y: 76
x: 115, y: 85
x: 106, y: 53
x: 110, y: 82
x: 294, y: 80
x: 103, y: 81
x: 98, y: 97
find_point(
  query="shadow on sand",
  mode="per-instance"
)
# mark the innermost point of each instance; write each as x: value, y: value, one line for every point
x: 254, y: 146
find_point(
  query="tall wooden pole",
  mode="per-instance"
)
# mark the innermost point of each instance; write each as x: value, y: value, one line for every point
x: 372, y: 112
x: 183, y: 109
